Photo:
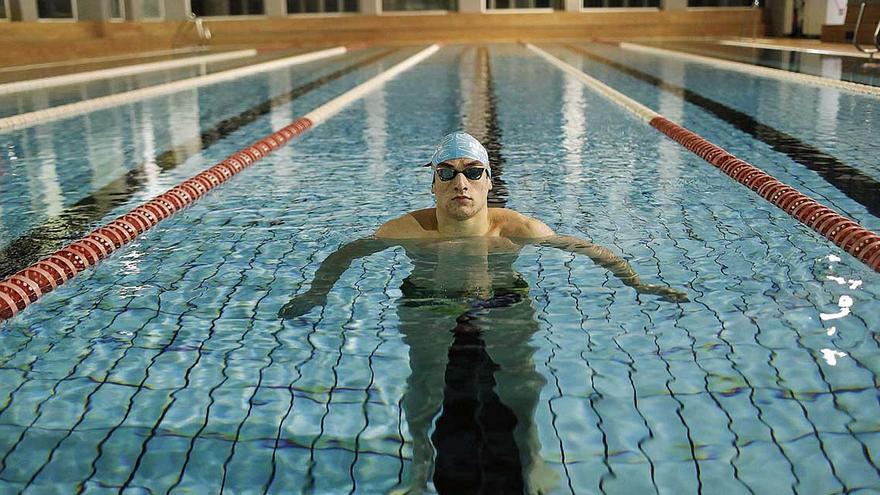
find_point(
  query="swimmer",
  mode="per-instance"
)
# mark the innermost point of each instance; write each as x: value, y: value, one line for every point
x: 468, y: 322
x: 461, y: 223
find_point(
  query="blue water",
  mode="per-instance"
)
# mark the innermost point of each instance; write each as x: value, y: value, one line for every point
x: 30, y: 101
x: 166, y: 368
x: 854, y: 69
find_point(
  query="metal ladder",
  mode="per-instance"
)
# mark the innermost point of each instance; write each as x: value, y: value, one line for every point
x: 201, y: 29
x: 870, y: 51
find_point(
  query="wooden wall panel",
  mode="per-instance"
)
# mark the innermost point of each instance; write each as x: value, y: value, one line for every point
x: 29, y: 42
x: 843, y: 33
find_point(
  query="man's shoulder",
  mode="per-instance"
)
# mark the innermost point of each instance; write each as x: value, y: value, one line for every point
x: 415, y: 224
x: 512, y: 223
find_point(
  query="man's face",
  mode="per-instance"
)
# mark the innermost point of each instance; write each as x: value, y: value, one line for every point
x: 461, y: 198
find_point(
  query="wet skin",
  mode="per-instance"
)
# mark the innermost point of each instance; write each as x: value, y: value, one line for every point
x: 467, y: 320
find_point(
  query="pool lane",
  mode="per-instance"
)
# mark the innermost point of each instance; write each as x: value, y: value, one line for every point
x: 817, y: 140
x: 852, y: 182
x: 171, y: 351
x: 27, y: 101
x: 854, y: 69
x: 61, y: 67
x: 58, y: 184
x: 74, y: 221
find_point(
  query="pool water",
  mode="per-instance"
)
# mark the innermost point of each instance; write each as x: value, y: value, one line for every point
x: 455, y: 366
x: 854, y: 69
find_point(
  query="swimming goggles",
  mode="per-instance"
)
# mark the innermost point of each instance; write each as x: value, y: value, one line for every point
x: 472, y: 173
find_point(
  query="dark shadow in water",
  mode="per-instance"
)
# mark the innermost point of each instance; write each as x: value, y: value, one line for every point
x: 468, y: 322
x: 80, y: 217
x: 476, y: 449
x: 852, y: 182
x: 481, y: 121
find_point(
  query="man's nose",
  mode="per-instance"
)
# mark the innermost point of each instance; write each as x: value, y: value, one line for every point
x: 460, y: 182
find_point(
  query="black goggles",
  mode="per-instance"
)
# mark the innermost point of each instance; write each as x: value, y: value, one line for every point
x: 447, y: 174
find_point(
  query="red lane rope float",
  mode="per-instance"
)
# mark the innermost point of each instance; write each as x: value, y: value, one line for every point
x: 856, y: 240
x: 23, y: 288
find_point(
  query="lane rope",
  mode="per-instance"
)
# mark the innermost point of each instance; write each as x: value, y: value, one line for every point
x: 64, y: 111
x: 790, y: 48
x: 757, y: 70
x: 126, y: 70
x: 845, y: 232
x: 25, y: 287
x: 96, y: 60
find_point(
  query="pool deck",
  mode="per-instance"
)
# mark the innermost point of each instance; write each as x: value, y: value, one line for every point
x: 800, y: 44
x: 78, y: 65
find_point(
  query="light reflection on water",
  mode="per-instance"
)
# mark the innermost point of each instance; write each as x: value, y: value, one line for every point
x: 744, y: 388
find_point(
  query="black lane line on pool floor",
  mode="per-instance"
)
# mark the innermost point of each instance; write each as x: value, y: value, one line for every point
x: 492, y: 140
x: 852, y: 182
x: 476, y: 450
x: 76, y: 219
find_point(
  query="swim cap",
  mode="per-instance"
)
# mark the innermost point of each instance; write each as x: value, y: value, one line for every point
x: 460, y: 144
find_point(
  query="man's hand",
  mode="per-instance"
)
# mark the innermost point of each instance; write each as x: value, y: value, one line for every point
x: 301, y: 305
x: 665, y: 293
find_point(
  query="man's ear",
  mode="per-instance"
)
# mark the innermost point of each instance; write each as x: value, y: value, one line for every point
x: 433, y: 181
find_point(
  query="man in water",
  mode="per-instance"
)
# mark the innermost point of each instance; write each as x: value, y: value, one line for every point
x: 467, y: 319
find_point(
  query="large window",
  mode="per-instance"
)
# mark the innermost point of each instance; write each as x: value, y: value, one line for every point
x: 227, y: 7
x: 151, y: 9
x: 55, y: 9
x: 525, y: 4
x: 413, y: 5
x: 3, y: 14
x: 720, y: 3
x: 621, y: 3
x: 321, y: 6
x: 117, y: 10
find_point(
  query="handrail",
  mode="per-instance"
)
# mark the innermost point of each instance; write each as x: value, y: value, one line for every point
x: 744, y: 26
x: 755, y: 5
x: 202, y: 30
x: 859, y: 47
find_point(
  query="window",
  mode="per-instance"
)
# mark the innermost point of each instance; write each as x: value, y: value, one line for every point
x: 321, y: 6
x: 525, y: 4
x: 227, y: 7
x: 117, y: 10
x: 719, y: 3
x: 621, y: 3
x: 151, y: 9
x: 3, y: 14
x: 406, y: 5
x: 55, y: 9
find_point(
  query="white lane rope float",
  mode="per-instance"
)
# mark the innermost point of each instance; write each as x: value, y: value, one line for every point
x: 97, y: 60
x: 856, y: 240
x: 126, y: 70
x: 25, y: 287
x: 64, y: 111
x: 757, y: 70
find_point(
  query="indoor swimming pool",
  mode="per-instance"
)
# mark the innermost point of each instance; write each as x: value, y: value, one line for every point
x: 450, y: 367
x: 853, y: 68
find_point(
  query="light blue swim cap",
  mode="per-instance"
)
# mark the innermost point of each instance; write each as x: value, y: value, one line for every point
x: 460, y: 144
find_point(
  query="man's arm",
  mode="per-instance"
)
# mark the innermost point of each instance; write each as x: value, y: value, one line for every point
x: 329, y: 272
x: 613, y: 263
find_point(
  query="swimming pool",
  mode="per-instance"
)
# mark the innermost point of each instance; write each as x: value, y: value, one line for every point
x: 845, y: 68
x: 166, y: 367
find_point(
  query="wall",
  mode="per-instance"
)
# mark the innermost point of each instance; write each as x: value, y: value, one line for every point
x: 843, y: 33
x: 54, y: 41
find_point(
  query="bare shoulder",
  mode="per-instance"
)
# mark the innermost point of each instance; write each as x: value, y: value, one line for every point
x: 511, y: 223
x: 415, y: 224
